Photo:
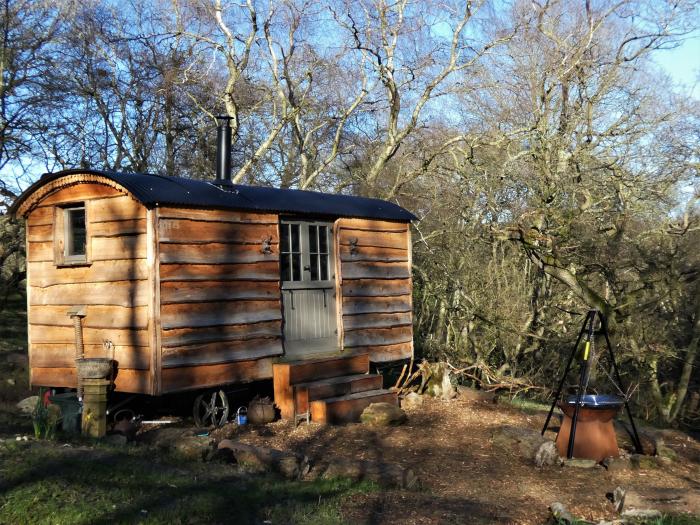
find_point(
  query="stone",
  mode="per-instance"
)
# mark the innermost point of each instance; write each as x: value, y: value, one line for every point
x: 11, y: 382
x: 580, y: 463
x: 640, y: 515
x: 383, y: 415
x: 117, y: 440
x: 412, y: 400
x: 640, y: 461
x: 27, y: 405
x: 618, y: 499
x: 616, y: 464
x: 466, y: 393
x: 561, y: 514
x: 547, y: 455
x: 525, y: 440
x: 439, y: 383
x: 664, y: 451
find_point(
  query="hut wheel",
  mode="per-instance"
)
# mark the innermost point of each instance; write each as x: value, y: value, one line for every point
x: 211, y: 409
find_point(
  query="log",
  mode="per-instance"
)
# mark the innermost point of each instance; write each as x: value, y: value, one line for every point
x: 80, y: 192
x: 116, y: 228
x: 220, y: 352
x: 198, y: 232
x: 263, y: 459
x: 380, y: 305
x: 378, y: 336
x: 375, y: 270
x: 384, y: 474
x: 214, y: 253
x: 372, y: 254
x: 119, y: 293
x: 243, y: 217
x: 118, y: 248
x: 115, y: 209
x: 359, y: 322
x: 209, y: 334
x: 261, y: 271
x: 41, y: 216
x: 370, y: 238
x: 205, y: 291
x: 192, y: 315
x: 47, y: 274
x: 376, y: 287
x: 373, y: 225
x: 202, y: 376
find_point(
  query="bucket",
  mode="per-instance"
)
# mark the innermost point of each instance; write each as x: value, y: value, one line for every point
x: 242, y: 416
x: 70, y: 408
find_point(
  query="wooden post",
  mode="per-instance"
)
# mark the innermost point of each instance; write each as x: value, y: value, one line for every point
x: 94, y: 423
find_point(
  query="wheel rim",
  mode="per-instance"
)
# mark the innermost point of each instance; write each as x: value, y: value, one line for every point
x: 211, y: 410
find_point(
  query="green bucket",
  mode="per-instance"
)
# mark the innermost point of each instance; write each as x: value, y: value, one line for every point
x: 70, y: 409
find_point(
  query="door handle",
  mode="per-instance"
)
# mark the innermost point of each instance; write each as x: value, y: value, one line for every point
x: 307, y: 268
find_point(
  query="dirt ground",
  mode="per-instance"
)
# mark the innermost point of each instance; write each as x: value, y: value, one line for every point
x: 464, y: 477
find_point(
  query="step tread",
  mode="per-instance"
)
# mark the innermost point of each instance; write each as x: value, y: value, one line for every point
x: 321, y: 360
x: 356, y: 395
x: 334, y: 380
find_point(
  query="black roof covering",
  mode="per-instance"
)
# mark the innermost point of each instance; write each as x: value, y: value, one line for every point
x: 155, y: 190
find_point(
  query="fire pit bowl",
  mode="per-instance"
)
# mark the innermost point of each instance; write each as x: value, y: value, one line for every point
x: 595, y: 434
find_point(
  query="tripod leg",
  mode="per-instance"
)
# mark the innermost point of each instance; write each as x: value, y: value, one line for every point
x: 566, y: 372
x: 585, y: 364
x: 637, y: 441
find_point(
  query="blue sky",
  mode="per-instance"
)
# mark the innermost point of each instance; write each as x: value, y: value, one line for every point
x: 683, y: 64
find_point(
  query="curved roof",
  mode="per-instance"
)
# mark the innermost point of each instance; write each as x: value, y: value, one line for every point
x: 158, y: 190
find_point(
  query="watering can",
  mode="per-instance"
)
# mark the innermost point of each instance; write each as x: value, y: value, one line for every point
x: 242, y: 416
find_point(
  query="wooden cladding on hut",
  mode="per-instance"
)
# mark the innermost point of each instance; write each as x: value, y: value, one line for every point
x: 186, y: 297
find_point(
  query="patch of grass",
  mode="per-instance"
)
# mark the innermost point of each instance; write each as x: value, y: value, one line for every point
x: 47, y: 483
x: 677, y: 519
x: 526, y: 405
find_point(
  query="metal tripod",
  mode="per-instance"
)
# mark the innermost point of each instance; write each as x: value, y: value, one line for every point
x: 585, y: 365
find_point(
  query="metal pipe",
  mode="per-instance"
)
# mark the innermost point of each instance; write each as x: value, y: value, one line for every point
x: 223, y: 150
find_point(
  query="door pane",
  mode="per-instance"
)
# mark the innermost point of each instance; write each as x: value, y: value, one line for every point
x: 286, y: 270
x: 296, y: 266
x: 313, y: 239
x: 314, y: 266
x: 323, y: 239
x: 284, y: 238
x: 324, y: 267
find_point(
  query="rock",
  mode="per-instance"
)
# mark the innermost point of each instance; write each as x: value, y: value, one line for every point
x: 263, y: 459
x: 561, y: 514
x: 261, y: 411
x: 547, y: 455
x: 618, y: 499
x: 383, y: 415
x: 580, y: 463
x: 472, y: 394
x: 640, y: 461
x: 11, y: 382
x: 27, y: 405
x: 385, y: 475
x: 616, y: 464
x: 116, y: 440
x: 412, y: 400
x: 439, y: 383
x: 525, y: 440
x: 663, y: 461
x: 640, y: 515
x: 664, y: 451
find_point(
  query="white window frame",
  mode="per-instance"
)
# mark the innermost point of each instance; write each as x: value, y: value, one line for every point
x: 304, y: 244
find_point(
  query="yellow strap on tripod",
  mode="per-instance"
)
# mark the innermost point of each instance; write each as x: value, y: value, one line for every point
x: 586, y: 350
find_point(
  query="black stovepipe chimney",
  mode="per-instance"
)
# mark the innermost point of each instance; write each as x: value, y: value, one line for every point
x: 223, y: 150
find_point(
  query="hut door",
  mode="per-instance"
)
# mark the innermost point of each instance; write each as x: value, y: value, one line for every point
x: 308, y: 288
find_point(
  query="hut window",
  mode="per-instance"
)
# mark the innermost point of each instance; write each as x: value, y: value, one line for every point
x: 290, y: 252
x: 318, y: 252
x: 75, y: 234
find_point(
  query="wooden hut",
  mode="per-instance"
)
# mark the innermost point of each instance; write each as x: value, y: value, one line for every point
x: 194, y: 284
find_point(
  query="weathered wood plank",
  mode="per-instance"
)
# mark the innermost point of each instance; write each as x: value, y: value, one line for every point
x: 118, y: 248
x: 362, y: 321
x: 118, y: 228
x: 133, y: 381
x: 47, y: 274
x: 367, y: 305
x: 115, y: 209
x: 371, y: 238
x: 40, y: 233
x: 384, y: 353
x: 378, y: 336
x: 62, y: 355
x: 218, y: 215
x: 93, y: 336
x: 223, y: 352
x: 96, y: 316
x: 210, y: 334
x: 40, y: 251
x: 41, y: 216
x: 373, y: 254
x: 375, y: 270
x: 201, y: 232
x: 214, y: 314
x: 194, y: 377
x: 261, y: 271
x: 79, y: 193
x: 119, y: 293
x: 201, y: 291
x: 373, y: 225
x: 375, y: 287
x: 214, y: 253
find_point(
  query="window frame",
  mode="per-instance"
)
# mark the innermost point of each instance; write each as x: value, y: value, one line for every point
x: 305, y: 247
x: 63, y: 232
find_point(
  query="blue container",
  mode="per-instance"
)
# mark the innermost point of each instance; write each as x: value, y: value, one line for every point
x: 602, y: 401
x: 242, y: 416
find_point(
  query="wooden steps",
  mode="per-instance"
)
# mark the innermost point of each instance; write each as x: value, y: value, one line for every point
x: 346, y: 409
x: 330, y: 390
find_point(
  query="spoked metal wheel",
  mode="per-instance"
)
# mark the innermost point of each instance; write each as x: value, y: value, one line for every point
x: 211, y: 409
